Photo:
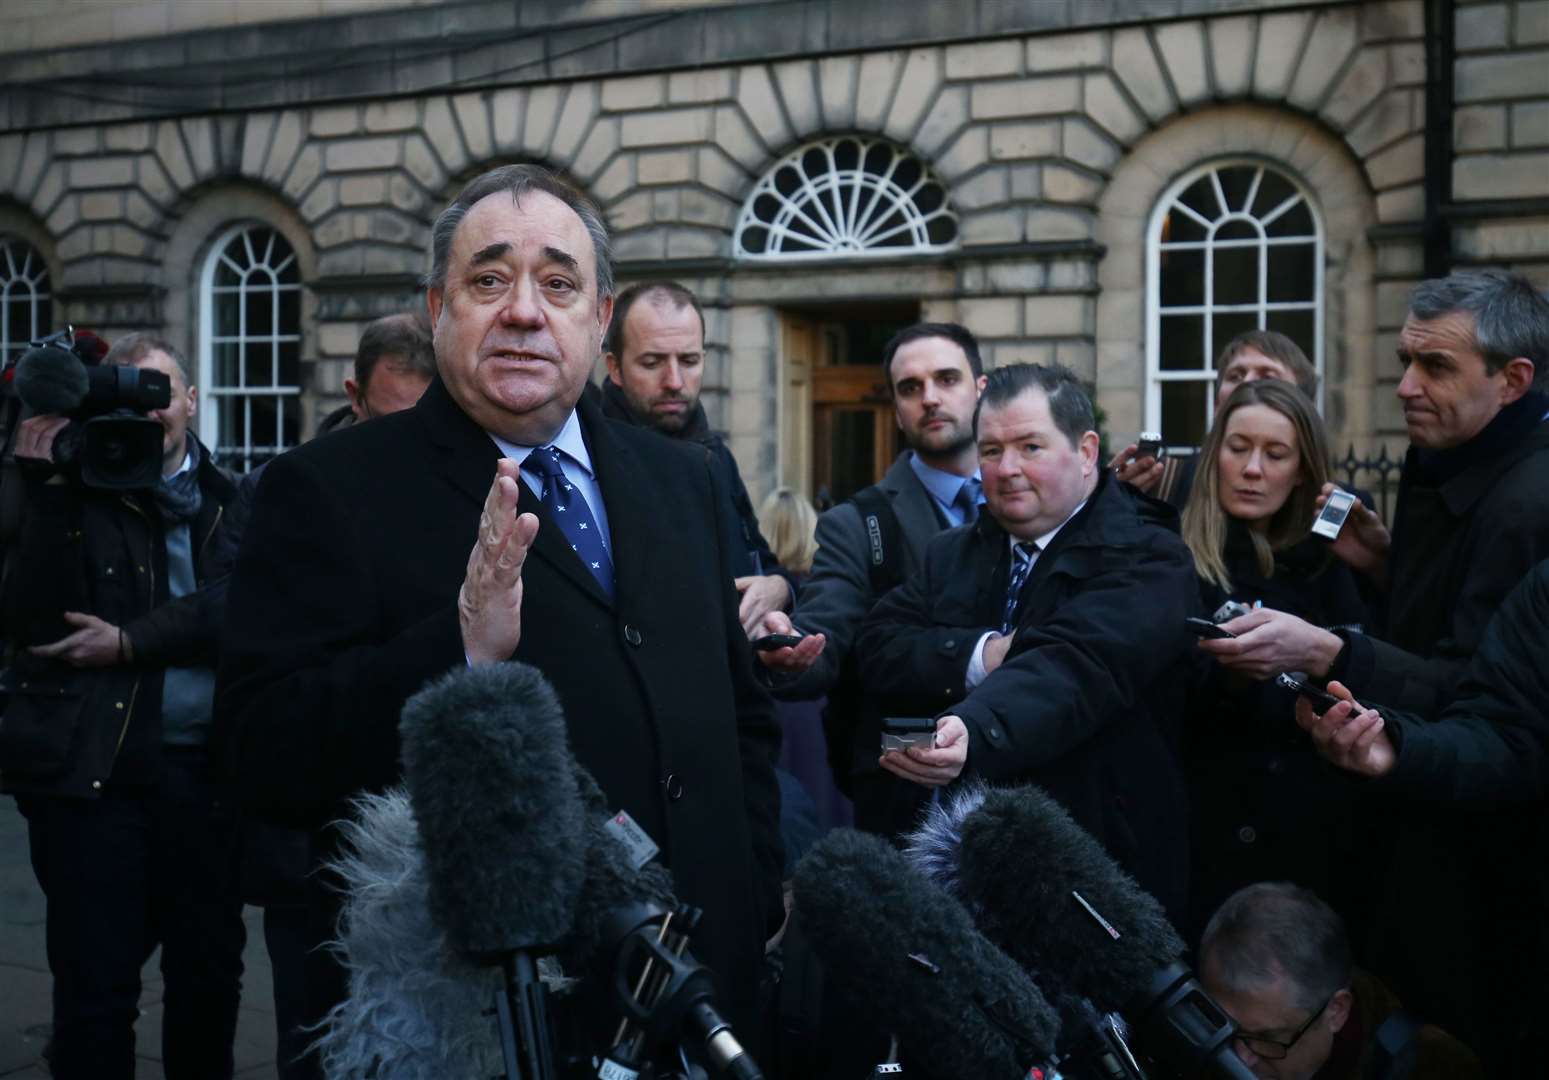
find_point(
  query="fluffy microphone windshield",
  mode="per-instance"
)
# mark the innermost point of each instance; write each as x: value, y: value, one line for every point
x: 51, y: 380
x: 1034, y: 879
x: 909, y: 958
x: 489, y: 772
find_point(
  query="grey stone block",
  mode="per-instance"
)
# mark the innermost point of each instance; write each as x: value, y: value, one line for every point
x: 1000, y: 16
x: 1110, y: 109
x: 1482, y: 27
x: 916, y: 88
x: 735, y: 33
x: 1086, y: 145
x: 580, y: 52
x: 1280, y: 43
x: 1135, y: 63
x: 472, y: 113
x: 860, y: 24
x: 1502, y: 76
x: 664, y: 42
x: 1335, y: 36
x: 1530, y: 124
x: 944, y: 120
x: 874, y: 89
x: 1480, y: 127
x: 284, y: 145
x: 1231, y: 54
x: 1182, y: 49
x: 101, y: 172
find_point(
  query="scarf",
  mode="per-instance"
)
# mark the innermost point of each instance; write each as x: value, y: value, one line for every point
x: 178, y: 497
x: 1510, y: 426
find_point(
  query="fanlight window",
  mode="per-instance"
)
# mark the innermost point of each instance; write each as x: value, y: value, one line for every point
x: 1233, y: 246
x: 26, y: 309
x: 250, y: 363
x: 845, y: 197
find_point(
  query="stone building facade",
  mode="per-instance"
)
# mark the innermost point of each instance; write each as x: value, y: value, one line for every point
x: 1114, y: 184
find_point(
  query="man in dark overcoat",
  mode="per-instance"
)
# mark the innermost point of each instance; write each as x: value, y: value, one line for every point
x: 504, y: 518
x: 1048, y: 637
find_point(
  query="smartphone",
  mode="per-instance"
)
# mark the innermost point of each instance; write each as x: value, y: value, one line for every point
x: 770, y: 642
x: 1206, y: 629
x: 1332, y: 517
x: 1322, y: 700
x: 902, y: 732
x: 1150, y: 445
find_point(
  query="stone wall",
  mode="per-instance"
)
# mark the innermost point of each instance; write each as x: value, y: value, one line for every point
x: 1054, y: 147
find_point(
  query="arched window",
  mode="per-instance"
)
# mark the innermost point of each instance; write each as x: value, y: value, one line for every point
x: 1232, y: 246
x: 26, y: 309
x: 845, y: 197
x: 250, y: 346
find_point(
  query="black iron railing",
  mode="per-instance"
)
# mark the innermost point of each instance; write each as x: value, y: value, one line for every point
x: 1378, y: 475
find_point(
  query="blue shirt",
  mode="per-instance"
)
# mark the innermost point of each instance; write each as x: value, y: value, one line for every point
x: 571, y: 441
x: 943, y: 487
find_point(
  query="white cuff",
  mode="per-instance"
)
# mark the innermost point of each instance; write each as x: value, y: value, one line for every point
x: 976, y: 673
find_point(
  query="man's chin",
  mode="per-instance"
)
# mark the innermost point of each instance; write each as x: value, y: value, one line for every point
x: 945, y: 440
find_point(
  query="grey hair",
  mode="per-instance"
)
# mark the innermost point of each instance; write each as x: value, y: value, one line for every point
x: 1070, y: 405
x: 132, y: 348
x: 519, y: 180
x: 1276, y: 930
x: 1511, y: 317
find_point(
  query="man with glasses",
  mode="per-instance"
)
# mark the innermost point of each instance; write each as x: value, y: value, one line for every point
x: 1277, y: 959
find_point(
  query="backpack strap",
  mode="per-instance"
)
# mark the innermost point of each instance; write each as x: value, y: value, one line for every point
x: 883, y: 534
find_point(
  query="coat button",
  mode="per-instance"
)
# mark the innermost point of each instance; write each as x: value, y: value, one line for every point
x: 674, y: 787
x: 96, y: 785
x: 632, y: 636
x: 1247, y: 834
x: 118, y: 704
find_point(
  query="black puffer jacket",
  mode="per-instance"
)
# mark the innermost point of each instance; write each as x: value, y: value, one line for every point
x: 67, y: 730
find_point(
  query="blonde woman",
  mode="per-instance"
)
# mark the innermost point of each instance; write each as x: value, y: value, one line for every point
x: 790, y: 524
x: 1264, y: 807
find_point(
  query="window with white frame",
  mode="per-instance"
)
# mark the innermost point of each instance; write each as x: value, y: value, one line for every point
x: 845, y: 197
x: 250, y: 347
x: 1232, y: 246
x: 26, y: 308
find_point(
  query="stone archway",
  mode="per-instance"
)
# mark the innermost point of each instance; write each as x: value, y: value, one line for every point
x: 1295, y: 144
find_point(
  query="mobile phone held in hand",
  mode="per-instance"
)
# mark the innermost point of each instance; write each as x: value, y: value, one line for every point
x: 1150, y: 445
x: 770, y: 642
x: 902, y: 732
x: 1332, y: 517
x: 1322, y: 701
x: 1206, y: 629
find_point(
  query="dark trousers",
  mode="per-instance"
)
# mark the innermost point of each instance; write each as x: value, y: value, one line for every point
x: 123, y: 874
x: 288, y: 938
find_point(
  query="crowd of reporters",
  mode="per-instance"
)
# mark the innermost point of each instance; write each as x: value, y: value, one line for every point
x: 1002, y: 582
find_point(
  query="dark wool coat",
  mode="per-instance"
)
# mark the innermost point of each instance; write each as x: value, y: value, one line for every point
x: 1088, y: 704
x: 343, y: 604
x: 68, y: 731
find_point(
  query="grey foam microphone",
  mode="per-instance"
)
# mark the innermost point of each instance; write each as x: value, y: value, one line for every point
x: 49, y: 379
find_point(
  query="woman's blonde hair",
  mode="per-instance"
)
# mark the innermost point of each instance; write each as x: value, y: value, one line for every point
x: 790, y: 524
x: 1205, y: 522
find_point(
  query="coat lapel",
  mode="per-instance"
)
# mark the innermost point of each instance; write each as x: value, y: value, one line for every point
x: 626, y: 489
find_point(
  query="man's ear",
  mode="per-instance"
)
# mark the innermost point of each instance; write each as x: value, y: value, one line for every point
x: 1518, y: 381
x: 433, y: 299
x: 1089, y: 446
x: 193, y: 401
x: 357, y: 398
x: 1338, y: 1010
x: 615, y: 373
x: 980, y: 383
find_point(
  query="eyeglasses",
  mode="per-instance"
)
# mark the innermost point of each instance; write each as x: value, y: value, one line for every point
x: 1273, y: 1049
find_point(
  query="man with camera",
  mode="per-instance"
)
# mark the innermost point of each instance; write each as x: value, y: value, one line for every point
x: 108, y: 704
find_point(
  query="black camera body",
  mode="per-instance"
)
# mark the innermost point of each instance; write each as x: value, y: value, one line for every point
x: 111, y: 443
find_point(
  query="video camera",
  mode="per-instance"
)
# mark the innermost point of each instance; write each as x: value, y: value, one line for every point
x: 111, y: 443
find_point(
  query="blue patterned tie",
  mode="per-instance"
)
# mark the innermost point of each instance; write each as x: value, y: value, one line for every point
x: 569, y: 508
x: 1021, y: 563
x: 967, y: 501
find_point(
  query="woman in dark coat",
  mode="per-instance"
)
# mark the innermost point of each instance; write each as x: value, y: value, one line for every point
x: 1264, y: 806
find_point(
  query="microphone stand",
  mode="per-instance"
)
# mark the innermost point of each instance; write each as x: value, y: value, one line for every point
x: 522, y: 1015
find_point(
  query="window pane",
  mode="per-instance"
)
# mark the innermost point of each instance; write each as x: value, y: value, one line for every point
x: 1299, y: 326
x: 1235, y: 183
x: 1178, y: 226
x: 1182, y: 277
x: 1201, y: 197
x: 1229, y: 325
x: 1237, y: 229
x: 260, y: 309
x: 1296, y: 221
x: 225, y: 363
x: 1274, y: 189
x: 290, y: 311
x: 1236, y: 276
x: 1292, y: 272
x: 260, y: 363
x: 1181, y: 344
x: 1183, y: 412
x: 290, y: 363
x: 228, y: 313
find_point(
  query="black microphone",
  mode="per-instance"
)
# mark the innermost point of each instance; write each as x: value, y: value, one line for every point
x: 909, y: 958
x: 49, y: 379
x: 488, y: 768
x: 631, y: 930
x: 1076, y: 920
